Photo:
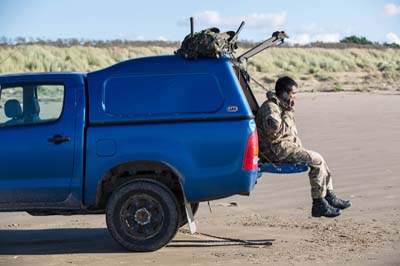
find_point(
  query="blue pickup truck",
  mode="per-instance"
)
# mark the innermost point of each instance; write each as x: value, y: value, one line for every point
x: 136, y: 141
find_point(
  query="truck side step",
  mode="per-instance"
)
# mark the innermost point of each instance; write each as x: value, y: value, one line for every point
x: 283, y: 168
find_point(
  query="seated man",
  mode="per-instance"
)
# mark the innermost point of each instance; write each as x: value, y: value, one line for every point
x: 279, y: 143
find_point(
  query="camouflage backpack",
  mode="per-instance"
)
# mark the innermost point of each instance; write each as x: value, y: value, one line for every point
x: 207, y: 43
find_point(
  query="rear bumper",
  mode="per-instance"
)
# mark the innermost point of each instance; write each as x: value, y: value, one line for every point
x: 282, y: 168
x: 221, y: 187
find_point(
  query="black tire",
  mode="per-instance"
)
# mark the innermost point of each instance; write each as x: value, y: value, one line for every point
x: 143, y: 215
x: 195, y: 207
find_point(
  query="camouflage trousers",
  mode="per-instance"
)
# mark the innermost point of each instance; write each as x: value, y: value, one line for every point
x: 319, y: 174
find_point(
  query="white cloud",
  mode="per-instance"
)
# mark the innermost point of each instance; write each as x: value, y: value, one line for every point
x: 256, y: 20
x: 121, y: 35
x: 274, y: 20
x: 391, y: 9
x: 306, y: 38
x: 314, y: 32
x: 300, y: 38
x: 209, y: 17
x: 162, y: 38
x: 393, y: 38
x: 327, y: 37
x: 314, y: 28
x: 311, y: 27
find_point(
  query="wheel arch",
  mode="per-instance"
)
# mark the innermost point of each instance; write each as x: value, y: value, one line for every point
x: 126, y: 172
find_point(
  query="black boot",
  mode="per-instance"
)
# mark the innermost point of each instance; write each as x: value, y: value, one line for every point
x: 321, y: 207
x: 335, y: 202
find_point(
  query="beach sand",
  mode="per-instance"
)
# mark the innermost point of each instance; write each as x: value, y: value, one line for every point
x: 359, y: 136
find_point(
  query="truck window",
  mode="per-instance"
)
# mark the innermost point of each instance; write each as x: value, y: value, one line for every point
x: 162, y: 94
x: 25, y: 104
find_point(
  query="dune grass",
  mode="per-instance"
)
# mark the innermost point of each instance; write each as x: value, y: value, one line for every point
x: 338, y: 69
x: 44, y: 58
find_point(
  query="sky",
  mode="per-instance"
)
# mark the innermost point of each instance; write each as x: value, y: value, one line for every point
x: 304, y: 21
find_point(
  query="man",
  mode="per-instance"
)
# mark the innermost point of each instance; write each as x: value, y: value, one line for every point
x: 279, y: 143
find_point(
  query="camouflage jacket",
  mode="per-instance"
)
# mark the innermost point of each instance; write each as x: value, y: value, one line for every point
x: 277, y: 131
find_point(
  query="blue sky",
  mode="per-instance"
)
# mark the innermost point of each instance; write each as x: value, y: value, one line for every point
x: 304, y: 21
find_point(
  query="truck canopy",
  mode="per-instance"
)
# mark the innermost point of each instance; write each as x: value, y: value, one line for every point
x: 164, y: 88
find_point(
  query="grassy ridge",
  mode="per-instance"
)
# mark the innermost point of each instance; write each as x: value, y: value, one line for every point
x: 315, y: 68
x: 45, y: 58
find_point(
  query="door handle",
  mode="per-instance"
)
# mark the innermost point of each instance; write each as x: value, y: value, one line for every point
x: 58, y: 139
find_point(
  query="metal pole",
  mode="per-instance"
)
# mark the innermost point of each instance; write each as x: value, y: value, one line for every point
x: 191, y: 27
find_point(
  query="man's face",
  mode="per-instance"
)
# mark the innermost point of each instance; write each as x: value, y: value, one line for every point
x: 292, y: 95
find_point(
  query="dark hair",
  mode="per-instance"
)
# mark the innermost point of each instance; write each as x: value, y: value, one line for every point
x: 284, y: 84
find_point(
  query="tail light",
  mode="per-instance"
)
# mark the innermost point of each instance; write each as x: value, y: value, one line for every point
x: 250, y: 161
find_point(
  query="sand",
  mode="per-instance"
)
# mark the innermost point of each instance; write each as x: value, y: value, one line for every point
x: 359, y: 136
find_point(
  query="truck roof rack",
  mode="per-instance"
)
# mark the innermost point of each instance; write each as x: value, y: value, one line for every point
x: 277, y: 38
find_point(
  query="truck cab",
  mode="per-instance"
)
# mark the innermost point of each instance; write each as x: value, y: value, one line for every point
x: 42, y: 120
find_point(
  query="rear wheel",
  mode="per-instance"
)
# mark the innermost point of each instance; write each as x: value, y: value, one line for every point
x: 143, y: 215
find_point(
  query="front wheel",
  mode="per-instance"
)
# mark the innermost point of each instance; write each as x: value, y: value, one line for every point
x: 143, y: 215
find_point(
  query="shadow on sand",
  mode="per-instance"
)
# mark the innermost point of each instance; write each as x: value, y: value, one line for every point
x: 81, y: 241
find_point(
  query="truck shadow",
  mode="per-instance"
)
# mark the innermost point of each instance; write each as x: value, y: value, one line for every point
x: 57, y: 241
x: 80, y: 241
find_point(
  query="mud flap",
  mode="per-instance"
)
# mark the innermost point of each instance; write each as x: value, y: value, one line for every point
x: 190, y: 216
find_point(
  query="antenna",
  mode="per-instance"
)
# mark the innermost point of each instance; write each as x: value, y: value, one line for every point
x: 240, y: 28
x: 191, y: 27
x: 234, y: 38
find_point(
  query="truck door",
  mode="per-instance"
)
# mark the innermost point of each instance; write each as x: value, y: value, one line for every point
x: 37, y: 138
